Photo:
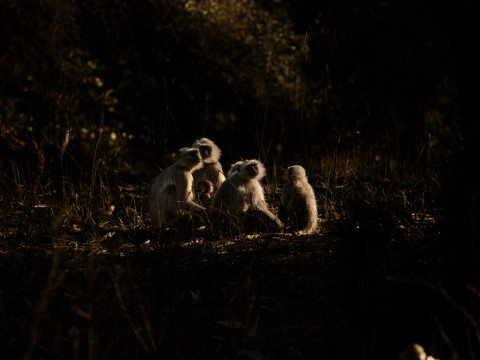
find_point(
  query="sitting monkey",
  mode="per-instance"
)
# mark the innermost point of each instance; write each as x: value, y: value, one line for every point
x: 172, y: 190
x: 298, y: 207
x: 242, y: 191
x: 211, y: 171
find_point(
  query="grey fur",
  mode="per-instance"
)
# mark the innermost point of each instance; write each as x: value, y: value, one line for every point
x: 298, y: 207
x: 242, y: 190
x: 172, y: 191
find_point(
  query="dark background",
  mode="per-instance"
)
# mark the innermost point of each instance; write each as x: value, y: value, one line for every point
x: 283, y: 81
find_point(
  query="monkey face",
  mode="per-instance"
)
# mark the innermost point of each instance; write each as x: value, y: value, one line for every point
x: 188, y: 157
x: 251, y: 169
x: 208, y: 149
x: 194, y: 156
x: 205, y: 151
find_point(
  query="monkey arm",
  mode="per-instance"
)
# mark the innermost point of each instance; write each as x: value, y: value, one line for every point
x: 220, y: 179
x: 262, y: 206
x: 184, y: 193
x: 187, y: 198
x: 193, y: 205
x: 220, y: 175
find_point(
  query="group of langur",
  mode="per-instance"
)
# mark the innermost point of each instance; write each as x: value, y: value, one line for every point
x: 196, y: 182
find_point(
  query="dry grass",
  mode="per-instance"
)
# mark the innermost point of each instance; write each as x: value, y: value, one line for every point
x: 86, y: 278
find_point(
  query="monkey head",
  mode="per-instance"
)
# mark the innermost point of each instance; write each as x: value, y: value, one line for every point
x: 294, y: 172
x: 208, y: 149
x: 189, y: 158
x: 251, y: 169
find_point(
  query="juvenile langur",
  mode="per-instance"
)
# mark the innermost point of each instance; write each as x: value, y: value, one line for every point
x: 204, y: 191
x: 212, y: 169
x: 171, y: 191
x: 242, y: 191
x: 298, y: 208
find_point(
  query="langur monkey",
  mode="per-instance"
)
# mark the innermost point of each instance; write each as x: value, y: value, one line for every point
x: 171, y: 191
x: 242, y: 191
x: 212, y: 169
x: 298, y: 207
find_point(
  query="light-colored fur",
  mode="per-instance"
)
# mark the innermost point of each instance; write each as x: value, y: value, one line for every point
x: 171, y: 191
x: 415, y: 352
x: 242, y: 190
x: 212, y: 169
x: 234, y: 167
x: 298, y: 204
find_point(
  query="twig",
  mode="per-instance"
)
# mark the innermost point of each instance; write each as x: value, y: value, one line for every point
x: 97, y: 143
x: 445, y: 337
x: 447, y: 297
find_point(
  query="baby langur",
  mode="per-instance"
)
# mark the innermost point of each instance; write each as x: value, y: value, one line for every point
x: 212, y: 169
x: 171, y: 191
x: 204, y: 191
x: 242, y: 191
x: 298, y: 208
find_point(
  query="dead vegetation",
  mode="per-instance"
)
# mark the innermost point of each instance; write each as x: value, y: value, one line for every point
x: 87, y: 278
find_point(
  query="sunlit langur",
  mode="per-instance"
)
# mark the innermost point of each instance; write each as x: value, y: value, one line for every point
x: 242, y: 191
x: 298, y: 208
x: 171, y: 193
x: 212, y: 169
